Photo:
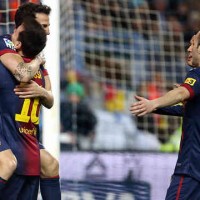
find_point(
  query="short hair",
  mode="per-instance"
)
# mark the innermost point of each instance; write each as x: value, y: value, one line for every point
x: 33, y: 38
x: 198, y: 38
x: 30, y: 9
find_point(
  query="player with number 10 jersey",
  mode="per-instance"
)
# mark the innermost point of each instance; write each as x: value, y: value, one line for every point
x: 19, y: 118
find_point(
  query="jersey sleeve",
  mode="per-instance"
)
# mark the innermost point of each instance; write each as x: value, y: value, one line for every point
x: 176, y: 110
x: 6, y: 46
x: 192, y: 83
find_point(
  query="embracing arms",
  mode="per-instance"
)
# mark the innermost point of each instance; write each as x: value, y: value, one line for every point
x: 22, y: 71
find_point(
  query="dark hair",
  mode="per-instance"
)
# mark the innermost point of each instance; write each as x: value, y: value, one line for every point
x: 33, y: 37
x: 30, y: 9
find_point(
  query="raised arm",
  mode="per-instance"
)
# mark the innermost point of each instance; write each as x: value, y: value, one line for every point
x: 22, y: 71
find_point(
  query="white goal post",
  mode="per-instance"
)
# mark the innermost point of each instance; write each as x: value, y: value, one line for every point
x: 51, y: 119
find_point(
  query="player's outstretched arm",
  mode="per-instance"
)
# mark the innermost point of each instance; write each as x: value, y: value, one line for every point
x: 144, y: 106
x: 174, y: 110
x: 22, y: 71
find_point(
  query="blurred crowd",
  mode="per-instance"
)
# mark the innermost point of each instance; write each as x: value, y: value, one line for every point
x: 180, y: 15
x: 7, y: 13
x: 10, y: 6
x: 104, y: 22
x: 78, y: 120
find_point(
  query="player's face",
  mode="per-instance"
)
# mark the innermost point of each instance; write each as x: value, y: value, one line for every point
x: 43, y: 19
x: 193, y: 59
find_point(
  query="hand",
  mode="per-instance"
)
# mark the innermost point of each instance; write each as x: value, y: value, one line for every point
x: 141, y: 107
x: 28, y: 90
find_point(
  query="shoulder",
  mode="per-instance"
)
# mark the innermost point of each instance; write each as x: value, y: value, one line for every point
x: 194, y: 73
x: 194, y: 70
x: 6, y: 45
x: 192, y: 81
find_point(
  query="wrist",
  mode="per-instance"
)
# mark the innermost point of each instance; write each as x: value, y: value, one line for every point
x: 42, y: 93
x: 155, y: 104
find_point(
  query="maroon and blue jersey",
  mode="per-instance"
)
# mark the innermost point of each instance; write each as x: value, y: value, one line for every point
x: 188, y: 162
x: 19, y: 118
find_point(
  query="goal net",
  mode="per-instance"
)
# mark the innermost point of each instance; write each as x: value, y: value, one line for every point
x: 118, y: 48
x: 7, y: 14
x: 122, y: 48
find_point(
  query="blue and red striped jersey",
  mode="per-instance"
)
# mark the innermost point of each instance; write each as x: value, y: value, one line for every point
x: 19, y: 118
x: 188, y: 158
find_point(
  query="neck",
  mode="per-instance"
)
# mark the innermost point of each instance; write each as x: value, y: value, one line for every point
x: 20, y: 52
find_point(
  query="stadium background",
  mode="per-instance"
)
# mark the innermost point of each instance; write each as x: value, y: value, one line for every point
x: 115, y: 49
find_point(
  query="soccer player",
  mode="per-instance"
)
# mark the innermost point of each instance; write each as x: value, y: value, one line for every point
x: 19, y: 117
x: 49, y: 182
x: 185, y: 181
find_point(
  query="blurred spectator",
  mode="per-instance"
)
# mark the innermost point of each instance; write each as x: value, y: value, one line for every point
x: 118, y: 14
x: 77, y: 119
x: 139, y: 3
x: 3, y: 17
x: 13, y: 5
x: 193, y: 24
x: 161, y: 6
x: 163, y: 125
x: 7, y: 14
x: 114, y: 99
x: 183, y: 11
x: 118, y: 131
x: 175, y: 24
x: 139, y: 44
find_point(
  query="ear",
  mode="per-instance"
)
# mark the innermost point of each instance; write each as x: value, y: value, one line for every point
x: 18, y: 45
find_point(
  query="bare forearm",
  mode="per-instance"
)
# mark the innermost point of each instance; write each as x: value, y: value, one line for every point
x: 144, y: 106
x: 22, y: 71
x: 33, y: 90
x: 171, y: 98
x: 47, y: 99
